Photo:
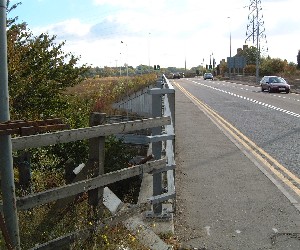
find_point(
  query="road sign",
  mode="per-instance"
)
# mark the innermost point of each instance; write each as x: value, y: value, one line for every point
x: 237, y: 62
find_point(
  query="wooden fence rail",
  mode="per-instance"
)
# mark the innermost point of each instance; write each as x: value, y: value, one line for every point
x: 159, y: 101
x: 96, y: 182
x: 54, y: 194
x: 65, y: 136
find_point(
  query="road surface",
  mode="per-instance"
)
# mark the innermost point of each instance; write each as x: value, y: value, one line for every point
x: 237, y: 157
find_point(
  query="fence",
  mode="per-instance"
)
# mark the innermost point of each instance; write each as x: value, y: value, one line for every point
x: 152, y: 102
x: 163, y: 117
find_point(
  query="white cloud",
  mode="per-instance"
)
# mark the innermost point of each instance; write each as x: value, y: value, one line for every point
x: 133, y: 4
x: 179, y: 30
x: 67, y: 28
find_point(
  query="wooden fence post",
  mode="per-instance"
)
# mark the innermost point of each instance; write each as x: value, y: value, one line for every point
x: 96, y: 163
x: 23, y: 165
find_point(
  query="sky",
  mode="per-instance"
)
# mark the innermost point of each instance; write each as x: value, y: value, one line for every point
x: 169, y: 33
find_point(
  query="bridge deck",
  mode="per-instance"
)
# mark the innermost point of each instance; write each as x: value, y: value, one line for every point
x: 224, y: 200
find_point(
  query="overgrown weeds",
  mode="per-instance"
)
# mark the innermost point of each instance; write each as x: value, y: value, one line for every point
x: 49, y: 221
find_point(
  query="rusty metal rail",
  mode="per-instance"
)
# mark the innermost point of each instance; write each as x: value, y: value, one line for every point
x: 25, y: 128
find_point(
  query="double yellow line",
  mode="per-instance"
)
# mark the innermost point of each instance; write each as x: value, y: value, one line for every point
x: 250, y: 148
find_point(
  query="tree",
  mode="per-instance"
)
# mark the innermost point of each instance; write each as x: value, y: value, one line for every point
x: 38, y: 71
x: 272, y: 66
x: 290, y: 69
x: 250, y: 55
x: 250, y: 69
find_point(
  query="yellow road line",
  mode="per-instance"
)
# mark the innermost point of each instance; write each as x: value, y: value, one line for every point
x: 250, y: 146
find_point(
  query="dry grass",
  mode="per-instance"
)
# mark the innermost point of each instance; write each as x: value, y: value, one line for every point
x: 50, y: 221
x: 108, y: 90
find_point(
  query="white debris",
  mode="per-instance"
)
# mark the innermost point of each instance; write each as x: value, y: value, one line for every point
x: 79, y: 168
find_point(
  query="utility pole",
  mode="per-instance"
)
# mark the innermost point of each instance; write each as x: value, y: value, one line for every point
x: 255, y: 30
x: 7, y: 174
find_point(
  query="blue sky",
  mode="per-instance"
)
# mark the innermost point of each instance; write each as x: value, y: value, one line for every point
x: 165, y: 32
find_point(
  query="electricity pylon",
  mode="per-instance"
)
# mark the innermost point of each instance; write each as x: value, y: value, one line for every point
x: 255, y: 31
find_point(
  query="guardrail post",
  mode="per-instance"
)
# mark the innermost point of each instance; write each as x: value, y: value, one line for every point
x: 157, y: 147
x: 96, y: 166
x: 6, y: 160
x: 170, y: 145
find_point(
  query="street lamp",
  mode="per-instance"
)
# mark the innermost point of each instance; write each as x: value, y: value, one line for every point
x: 149, y: 49
x: 120, y: 64
x: 211, y: 62
x: 126, y: 63
x: 229, y: 48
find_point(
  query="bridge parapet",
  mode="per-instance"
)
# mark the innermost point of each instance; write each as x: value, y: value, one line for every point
x: 156, y: 101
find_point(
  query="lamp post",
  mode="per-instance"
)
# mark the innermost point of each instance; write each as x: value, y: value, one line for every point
x: 126, y: 63
x: 202, y: 65
x: 6, y: 159
x: 229, y: 68
x: 149, y: 35
x: 120, y: 64
x: 211, y: 62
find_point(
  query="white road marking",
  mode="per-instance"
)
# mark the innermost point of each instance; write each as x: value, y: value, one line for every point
x: 207, y: 230
x: 251, y: 86
x: 252, y: 100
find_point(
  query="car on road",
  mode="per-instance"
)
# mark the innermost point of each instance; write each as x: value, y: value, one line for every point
x: 208, y: 76
x: 274, y: 84
x: 176, y: 75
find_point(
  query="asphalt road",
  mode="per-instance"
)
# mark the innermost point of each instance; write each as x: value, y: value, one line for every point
x: 231, y: 194
x: 272, y: 121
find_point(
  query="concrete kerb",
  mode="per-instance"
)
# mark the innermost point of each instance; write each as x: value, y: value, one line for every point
x: 159, y: 226
x: 145, y: 234
x: 144, y: 231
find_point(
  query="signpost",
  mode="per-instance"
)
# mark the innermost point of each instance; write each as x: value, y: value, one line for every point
x: 236, y: 62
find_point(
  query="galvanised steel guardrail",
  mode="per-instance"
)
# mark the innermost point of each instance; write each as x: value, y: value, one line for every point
x: 154, y: 102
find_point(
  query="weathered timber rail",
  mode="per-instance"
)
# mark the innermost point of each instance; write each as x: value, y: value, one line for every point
x: 161, y: 142
x: 95, y: 134
x: 24, y: 128
x: 40, y: 140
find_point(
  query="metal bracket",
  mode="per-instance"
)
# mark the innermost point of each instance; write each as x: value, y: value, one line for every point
x: 159, y: 91
x: 165, y: 215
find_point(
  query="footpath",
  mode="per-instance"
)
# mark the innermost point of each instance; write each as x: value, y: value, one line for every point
x: 224, y: 201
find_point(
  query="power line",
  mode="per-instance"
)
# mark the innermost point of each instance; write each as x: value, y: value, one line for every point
x: 256, y: 31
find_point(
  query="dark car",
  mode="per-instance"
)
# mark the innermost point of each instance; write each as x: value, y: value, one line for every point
x: 274, y: 84
x: 208, y: 76
x: 176, y: 75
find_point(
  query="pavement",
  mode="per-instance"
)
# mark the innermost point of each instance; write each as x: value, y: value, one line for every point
x: 225, y: 198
